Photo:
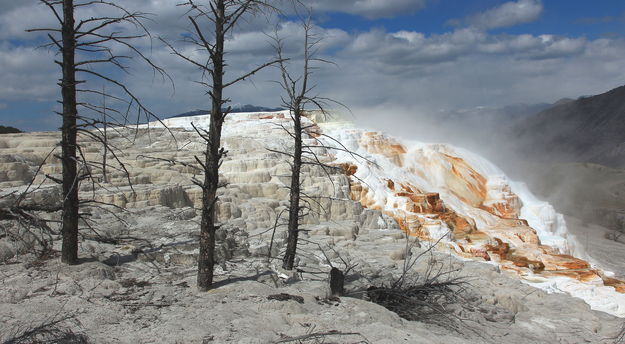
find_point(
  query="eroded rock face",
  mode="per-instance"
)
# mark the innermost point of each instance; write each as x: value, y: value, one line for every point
x: 434, y: 192
x: 455, y: 198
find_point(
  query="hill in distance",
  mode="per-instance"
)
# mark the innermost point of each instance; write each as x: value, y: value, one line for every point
x: 9, y: 130
x: 573, y: 155
x: 235, y: 109
x: 589, y: 129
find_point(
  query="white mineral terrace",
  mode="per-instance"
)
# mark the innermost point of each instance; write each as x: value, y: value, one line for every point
x: 439, y: 191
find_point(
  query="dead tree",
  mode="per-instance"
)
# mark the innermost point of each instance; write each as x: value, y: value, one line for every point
x: 85, y: 45
x: 299, y: 99
x: 295, y: 102
x: 212, y: 21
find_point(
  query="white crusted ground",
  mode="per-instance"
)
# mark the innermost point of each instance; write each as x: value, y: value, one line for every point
x: 141, y: 289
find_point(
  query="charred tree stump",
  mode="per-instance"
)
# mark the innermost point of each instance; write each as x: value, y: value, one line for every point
x: 337, y: 283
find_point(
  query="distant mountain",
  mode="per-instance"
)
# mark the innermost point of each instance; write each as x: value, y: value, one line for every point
x: 9, y: 130
x: 501, y: 115
x: 253, y: 108
x: 563, y: 101
x: 589, y: 129
x: 191, y: 113
x: 235, y: 109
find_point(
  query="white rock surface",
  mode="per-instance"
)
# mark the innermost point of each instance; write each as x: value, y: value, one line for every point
x: 141, y: 289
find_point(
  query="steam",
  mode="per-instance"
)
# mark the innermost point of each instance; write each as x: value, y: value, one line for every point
x: 501, y: 136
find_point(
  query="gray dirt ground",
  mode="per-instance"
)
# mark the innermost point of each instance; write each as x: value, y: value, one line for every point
x: 151, y: 298
x: 141, y: 289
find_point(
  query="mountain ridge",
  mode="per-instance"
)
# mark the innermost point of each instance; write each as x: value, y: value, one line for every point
x: 589, y: 129
x: 234, y: 109
x: 9, y: 130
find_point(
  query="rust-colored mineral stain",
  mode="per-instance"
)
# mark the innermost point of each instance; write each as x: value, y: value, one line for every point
x: 466, y: 183
x: 460, y: 226
x: 582, y: 275
x: 313, y: 131
x: 508, y: 208
x: 565, y: 262
x: 348, y: 169
x: 360, y: 194
x: 492, y: 243
x: 480, y: 253
x: 270, y: 116
x: 397, y: 148
x: 377, y: 143
x: 535, y: 265
x: 477, y: 236
x: 501, y: 249
x: 503, y: 210
x: 407, y: 187
x: 618, y: 285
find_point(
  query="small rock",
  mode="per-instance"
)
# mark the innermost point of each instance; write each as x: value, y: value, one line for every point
x: 399, y: 254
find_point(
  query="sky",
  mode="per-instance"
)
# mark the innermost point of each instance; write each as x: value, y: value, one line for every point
x: 392, y: 58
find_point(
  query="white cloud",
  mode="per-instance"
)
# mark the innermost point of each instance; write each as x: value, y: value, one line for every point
x: 15, y: 19
x: 27, y: 73
x: 506, y: 15
x: 407, y: 48
x: 369, y: 8
x: 412, y: 48
x: 467, y: 68
x: 464, y: 67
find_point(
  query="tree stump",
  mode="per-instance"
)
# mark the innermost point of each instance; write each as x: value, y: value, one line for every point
x: 337, y: 282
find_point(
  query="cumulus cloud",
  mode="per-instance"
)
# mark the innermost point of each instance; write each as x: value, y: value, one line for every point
x: 508, y: 14
x: 18, y: 16
x: 369, y: 8
x: 406, y: 48
x: 27, y: 73
x: 410, y: 70
x: 400, y: 52
x: 468, y: 67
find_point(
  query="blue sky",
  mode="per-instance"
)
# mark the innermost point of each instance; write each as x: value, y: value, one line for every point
x: 403, y: 57
x: 559, y: 17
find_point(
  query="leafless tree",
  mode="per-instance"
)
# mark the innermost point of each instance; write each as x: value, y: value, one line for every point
x: 86, y: 45
x: 212, y: 21
x: 297, y: 90
x: 300, y: 99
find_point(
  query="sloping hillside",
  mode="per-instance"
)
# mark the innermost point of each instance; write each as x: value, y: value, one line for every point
x: 589, y: 129
x: 9, y: 130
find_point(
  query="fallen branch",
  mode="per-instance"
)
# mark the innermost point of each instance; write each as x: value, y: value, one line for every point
x: 317, y: 335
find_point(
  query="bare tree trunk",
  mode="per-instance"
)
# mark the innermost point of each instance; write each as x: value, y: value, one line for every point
x: 213, y: 154
x: 337, y: 282
x: 294, y: 207
x: 69, y: 254
x: 298, y: 99
x: 93, y: 37
x: 105, y: 138
x: 221, y: 17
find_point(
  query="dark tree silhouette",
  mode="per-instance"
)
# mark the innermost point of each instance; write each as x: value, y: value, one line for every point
x: 300, y: 98
x: 212, y: 21
x: 85, y: 46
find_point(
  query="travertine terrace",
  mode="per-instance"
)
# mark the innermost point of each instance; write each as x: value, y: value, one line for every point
x: 440, y: 194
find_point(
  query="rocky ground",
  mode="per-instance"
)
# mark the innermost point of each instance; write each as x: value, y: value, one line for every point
x: 136, y: 280
x: 141, y: 290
